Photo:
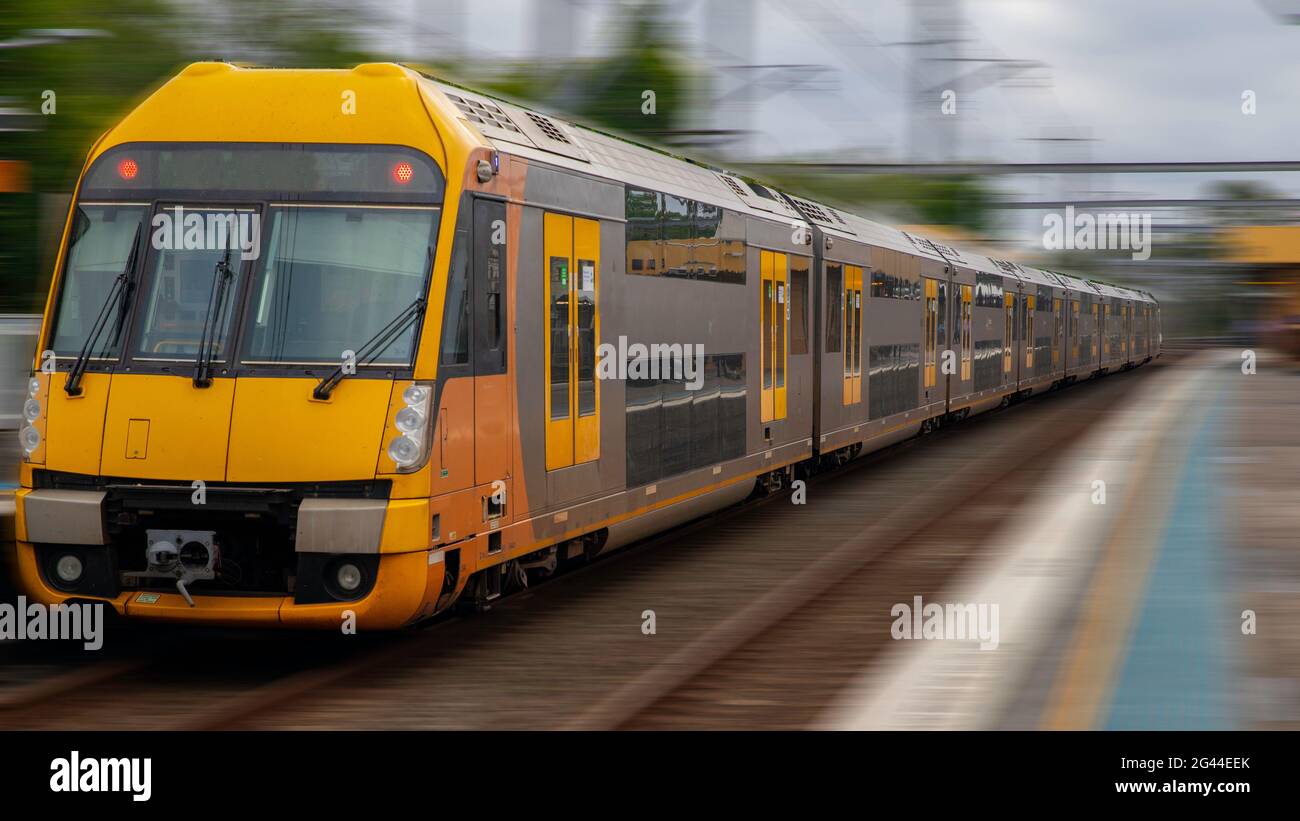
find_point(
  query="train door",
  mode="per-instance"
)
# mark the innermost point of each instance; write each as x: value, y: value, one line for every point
x: 931, y: 333
x: 1094, y: 355
x: 1008, y: 336
x: 852, y: 334
x: 1058, y: 332
x: 572, y: 251
x: 967, y: 335
x: 1074, y: 334
x: 1027, y: 303
x: 1105, y: 332
x: 775, y: 311
x: 1128, y: 331
x: 492, y: 406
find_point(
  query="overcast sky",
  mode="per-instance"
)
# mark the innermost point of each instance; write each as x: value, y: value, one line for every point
x: 1154, y: 80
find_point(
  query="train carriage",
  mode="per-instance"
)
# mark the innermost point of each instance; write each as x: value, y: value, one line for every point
x: 457, y: 342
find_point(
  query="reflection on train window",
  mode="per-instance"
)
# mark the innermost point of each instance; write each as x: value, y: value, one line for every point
x: 586, y: 291
x: 988, y: 291
x: 678, y: 237
x: 101, y: 245
x: 179, y: 290
x: 894, y: 287
x: 331, y: 278
x: 799, y: 267
x: 894, y: 379
x: 455, y: 334
x: 672, y: 429
x: 834, y: 306
x: 559, y: 337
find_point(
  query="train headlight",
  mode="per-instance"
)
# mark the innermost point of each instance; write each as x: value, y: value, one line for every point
x: 404, y: 451
x: 30, y: 438
x: 69, y: 569
x: 409, y: 420
x: 410, y: 449
x: 416, y: 396
x: 31, y: 410
x: 33, y: 387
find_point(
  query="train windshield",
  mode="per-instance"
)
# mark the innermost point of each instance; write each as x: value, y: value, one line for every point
x: 99, y: 249
x: 320, y: 246
x: 331, y: 278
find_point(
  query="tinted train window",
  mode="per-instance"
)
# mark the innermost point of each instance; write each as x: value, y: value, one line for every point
x: 673, y: 236
x: 988, y: 291
x: 889, y: 286
x: 798, y: 305
x: 672, y: 429
x: 894, y: 379
x: 834, y: 306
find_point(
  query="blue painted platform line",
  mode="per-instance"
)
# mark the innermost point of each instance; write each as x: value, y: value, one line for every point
x: 1177, y: 673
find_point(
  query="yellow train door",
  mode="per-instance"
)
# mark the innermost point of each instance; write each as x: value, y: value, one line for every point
x: 967, y: 335
x: 1074, y: 333
x: 1008, y: 301
x: 852, y: 328
x: 931, y: 329
x: 774, y: 296
x: 1030, y: 301
x: 572, y: 252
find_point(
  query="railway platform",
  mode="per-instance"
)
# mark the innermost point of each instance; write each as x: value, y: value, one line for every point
x: 1169, y: 606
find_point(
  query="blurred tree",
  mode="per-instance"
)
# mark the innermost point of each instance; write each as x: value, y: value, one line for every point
x: 607, y: 93
x: 96, y: 80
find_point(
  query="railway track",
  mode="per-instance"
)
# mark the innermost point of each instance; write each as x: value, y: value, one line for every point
x: 789, y: 629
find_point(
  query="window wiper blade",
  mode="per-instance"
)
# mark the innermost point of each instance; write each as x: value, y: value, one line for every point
x: 221, y: 276
x: 373, y: 347
x: 116, y: 293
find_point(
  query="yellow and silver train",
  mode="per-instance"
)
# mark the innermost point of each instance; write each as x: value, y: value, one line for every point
x: 358, y: 344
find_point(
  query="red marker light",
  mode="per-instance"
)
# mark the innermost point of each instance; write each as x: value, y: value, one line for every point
x: 127, y: 169
x: 402, y: 173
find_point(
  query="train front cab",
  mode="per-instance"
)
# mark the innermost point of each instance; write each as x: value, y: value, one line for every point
x: 290, y: 481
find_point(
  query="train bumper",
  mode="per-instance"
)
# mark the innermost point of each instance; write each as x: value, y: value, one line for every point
x: 405, y: 588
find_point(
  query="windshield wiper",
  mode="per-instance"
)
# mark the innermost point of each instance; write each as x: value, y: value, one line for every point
x: 221, y: 276
x: 120, y: 287
x: 376, y: 345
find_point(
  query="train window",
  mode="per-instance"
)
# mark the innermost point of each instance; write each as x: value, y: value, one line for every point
x: 101, y: 245
x: 673, y: 236
x: 834, y: 306
x: 888, y: 286
x: 333, y: 277
x: 559, y: 329
x: 456, y: 316
x: 671, y: 429
x: 799, y: 305
x: 988, y: 291
x: 585, y: 293
x: 489, y: 287
x: 643, y: 237
x: 988, y: 371
x: 178, y: 291
x: 678, y: 248
x: 893, y: 379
